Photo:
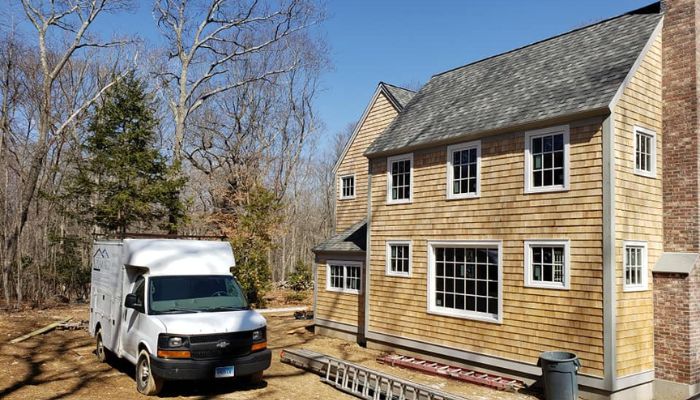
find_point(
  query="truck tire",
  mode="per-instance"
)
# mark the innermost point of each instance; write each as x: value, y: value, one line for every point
x: 146, y: 382
x: 103, y: 355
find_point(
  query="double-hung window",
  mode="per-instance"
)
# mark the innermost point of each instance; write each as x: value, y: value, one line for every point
x: 465, y: 279
x: 400, y: 179
x: 547, y: 264
x: 547, y: 159
x: 347, y: 187
x: 344, y: 276
x: 463, y: 168
x: 634, y: 266
x: 644, y: 152
x: 398, y: 257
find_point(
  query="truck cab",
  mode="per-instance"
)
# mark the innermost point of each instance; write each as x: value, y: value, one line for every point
x: 173, y: 309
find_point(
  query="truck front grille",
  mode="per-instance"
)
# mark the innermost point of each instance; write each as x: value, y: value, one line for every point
x: 223, y: 345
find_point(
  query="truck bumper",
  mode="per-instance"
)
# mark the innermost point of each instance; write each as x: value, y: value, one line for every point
x: 172, y: 369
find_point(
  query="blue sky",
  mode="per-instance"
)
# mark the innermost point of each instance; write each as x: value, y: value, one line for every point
x: 405, y: 42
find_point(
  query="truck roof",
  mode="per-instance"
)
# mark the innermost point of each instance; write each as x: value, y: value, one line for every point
x: 178, y: 256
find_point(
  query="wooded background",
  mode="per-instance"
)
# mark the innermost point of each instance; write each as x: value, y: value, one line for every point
x: 232, y: 86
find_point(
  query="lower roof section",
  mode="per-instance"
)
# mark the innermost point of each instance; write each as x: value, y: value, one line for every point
x: 353, y: 239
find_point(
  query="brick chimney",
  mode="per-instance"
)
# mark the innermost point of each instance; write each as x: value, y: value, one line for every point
x: 676, y: 275
x: 681, y: 181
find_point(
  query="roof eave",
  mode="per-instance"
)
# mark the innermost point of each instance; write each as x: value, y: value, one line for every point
x: 527, y: 125
x: 327, y: 251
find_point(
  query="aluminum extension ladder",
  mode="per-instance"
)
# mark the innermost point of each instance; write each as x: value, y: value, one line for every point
x: 373, y: 385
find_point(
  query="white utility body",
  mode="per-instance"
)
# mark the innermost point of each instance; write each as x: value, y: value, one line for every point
x: 173, y: 308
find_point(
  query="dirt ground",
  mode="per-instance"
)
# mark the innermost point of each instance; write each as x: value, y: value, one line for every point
x: 61, y: 364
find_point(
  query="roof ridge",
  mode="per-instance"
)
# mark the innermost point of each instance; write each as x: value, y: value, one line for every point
x: 396, y: 86
x: 645, y: 9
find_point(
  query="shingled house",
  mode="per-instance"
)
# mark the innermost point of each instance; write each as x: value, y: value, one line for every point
x: 544, y: 198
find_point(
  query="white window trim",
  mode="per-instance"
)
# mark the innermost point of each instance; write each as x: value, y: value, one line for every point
x: 471, y: 315
x: 528, y: 159
x: 529, y: 244
x: 354, y: 186
x: 345, y: 264
x: 645, y: 266
x: 450, y: 171
x: 389, y: 161
x: 648, y: 174
x: 408, y: 243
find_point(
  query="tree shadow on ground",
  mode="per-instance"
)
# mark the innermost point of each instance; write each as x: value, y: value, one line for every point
x: 35, y: 355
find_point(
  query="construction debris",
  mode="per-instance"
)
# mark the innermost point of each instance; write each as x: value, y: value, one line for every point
x: 39, y: 331
x: 73, y: 326
x: 301, y: 330
x: 359, y: 381
x: 458, y: 373
x: 304, y: 315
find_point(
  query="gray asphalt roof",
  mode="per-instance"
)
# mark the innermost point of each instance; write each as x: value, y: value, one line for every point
x: 401, y: 95
x: 574, y: 72
x: 351, y: 240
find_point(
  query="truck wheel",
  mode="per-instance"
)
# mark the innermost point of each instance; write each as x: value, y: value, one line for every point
x: 146, y: 382
x: 255, y: 379
x: 103, y: 355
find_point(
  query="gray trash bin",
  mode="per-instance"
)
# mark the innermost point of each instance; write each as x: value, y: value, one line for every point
x: 559, y: 370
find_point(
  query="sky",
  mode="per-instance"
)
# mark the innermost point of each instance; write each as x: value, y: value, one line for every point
x: 405, y: 42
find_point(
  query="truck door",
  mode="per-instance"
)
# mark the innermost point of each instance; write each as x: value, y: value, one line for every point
x: 133, y: 319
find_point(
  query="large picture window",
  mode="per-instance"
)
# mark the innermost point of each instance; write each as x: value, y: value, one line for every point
x: 399, y: 179
x: 465, y: 279
x: 547, y: 264
x: 344, y: 276
x: 547, y: 159
x: 463, y: 169
x: 644, y: 152
x: 635, y: 266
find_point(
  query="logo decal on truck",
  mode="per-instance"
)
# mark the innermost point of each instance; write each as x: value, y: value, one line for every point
x: 99, y: 255
x: 222, y: 344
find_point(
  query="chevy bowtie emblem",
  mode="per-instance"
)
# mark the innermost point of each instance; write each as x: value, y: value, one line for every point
x: 222, y: 344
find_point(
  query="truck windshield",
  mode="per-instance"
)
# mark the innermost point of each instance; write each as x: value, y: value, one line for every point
x: 194, y: 293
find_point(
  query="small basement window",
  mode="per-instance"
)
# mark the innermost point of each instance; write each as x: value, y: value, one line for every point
x: 347, y: 187
x: 547, y: 159
x: 644, y: 152
x: 399, y: 179
x: 463, y: 165
x: 398, y: 257
x: 635, y: 266
x: 464, y: 280
x: 547, y: 264
x: 344, y: 276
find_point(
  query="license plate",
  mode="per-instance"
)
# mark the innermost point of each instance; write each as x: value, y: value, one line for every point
x: 223, y: 372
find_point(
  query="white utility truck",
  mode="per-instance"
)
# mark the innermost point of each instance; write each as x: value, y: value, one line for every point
x: 173, y: 309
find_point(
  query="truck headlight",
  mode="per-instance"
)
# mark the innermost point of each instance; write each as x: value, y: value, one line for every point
x: 259, y: 335
x: 173, y: 346
x: 259, y: 339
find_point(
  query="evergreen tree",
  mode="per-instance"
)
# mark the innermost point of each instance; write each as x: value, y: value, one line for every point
x: 124, y: 178
x: 249, y: 224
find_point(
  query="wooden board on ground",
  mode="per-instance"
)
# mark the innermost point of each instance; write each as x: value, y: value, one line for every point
x: 39, y: 331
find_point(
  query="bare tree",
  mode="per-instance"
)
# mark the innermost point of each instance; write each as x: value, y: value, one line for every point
x: 53, y: 21
x: 210, y: 41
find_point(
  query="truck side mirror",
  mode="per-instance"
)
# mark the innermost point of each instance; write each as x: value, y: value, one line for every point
x: 131, y: 301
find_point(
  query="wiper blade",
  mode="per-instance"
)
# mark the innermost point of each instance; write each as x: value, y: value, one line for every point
x: 178, y: 310
x: 229, y: 308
